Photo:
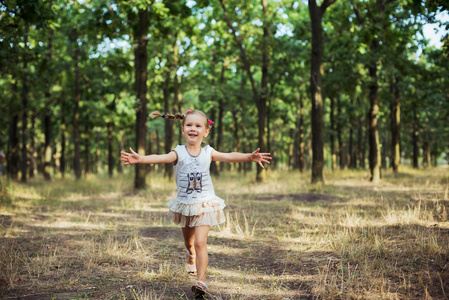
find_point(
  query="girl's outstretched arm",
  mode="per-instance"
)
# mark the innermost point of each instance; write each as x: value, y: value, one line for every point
x: 242, y: 157
x: 135, y: 158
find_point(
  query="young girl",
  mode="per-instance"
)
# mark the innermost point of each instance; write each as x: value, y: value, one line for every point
x: 196, y: 206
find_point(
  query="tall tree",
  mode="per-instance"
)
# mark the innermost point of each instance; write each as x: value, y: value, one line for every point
x: 259, y: 96
x: 76, y: 112
x: 140, y: 65
x: 47, y: 116
x: 24, y: 96
x: 373, y: 135
x: 374, y: 20
x: 13, y: 146
x: 332, y: 134
x: 395, y: 117
x: 316, y: 15
x: 168, y: 124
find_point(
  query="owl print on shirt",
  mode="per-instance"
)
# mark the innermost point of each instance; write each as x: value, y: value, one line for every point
x: 194, y: 179
x: 194, y: 182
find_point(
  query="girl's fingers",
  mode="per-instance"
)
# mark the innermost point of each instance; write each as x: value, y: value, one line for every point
x: 132, y: 151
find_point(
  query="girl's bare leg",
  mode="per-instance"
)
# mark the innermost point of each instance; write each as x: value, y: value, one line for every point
x: 200, y: 243
x: 189, y: 239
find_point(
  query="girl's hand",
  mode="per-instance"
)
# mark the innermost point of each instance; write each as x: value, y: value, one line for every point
x: 130, y: 158
x: 260, y: 157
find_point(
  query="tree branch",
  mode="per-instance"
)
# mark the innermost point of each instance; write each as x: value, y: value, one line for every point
x: 357, y: 13
x: 326, y: 4
x: 245, y: 61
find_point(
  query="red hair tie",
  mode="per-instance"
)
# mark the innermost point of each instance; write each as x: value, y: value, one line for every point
x: 188, y: 112
x: 210, y: 122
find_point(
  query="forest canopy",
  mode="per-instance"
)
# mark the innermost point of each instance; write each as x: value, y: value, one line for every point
x: 333, y: 84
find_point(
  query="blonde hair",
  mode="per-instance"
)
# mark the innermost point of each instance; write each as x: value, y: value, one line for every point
x: 209, y: 124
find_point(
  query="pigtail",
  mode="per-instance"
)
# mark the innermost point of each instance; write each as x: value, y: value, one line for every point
x: 178, y: 116
x: 156, y: 114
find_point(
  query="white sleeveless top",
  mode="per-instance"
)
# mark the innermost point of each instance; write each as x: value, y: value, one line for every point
x: 196, y: 195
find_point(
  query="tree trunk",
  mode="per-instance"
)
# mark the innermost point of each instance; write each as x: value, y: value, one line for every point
x: 316, y: 14
x: 236, y: 135
x: 395, y: 118
x: 262, y: 103
x: 141, y: 63
x: 76, y: 116
x: 361, y: 141
x: 13, y: 148
x: 122, y: 148
x: 24, y: 97
x: 86, y: 147
x: 315, y: 88
x: 341, y: 146
x: 301, y: 134
x: 55, y: 162
x: 98, y: 169
x: 241, y: 108
x: 47, y: 117
x: 176, y: 100
x: 63, y: 142
x: 150, y: 151
x: 110, y: 150
x: 296, y: 138
x: 426, y: 160
x: 219, y: 120
x: 213, y: 164
x: 351, y: 157
x: 358, y: 144
x: 332, y: 135
x: 158, y: 147
x: 434, y: 154
x: 383, y: 156
x: 32, y: 154
x: 47, y: 147
x: 374, y: 144
x: 260, y: 100
x: 168, y: 126
x: 415, y: 138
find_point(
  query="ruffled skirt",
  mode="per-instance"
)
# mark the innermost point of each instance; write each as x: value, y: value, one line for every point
x: 197, y: 214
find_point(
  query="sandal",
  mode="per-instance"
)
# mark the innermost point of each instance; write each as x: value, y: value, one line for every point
x: 191, y: 269
x: 199, y: 289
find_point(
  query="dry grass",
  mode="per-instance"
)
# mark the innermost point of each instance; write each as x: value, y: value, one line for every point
x: 284, y: 239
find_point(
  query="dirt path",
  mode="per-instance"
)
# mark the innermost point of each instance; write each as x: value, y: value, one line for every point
x: 349, y: 240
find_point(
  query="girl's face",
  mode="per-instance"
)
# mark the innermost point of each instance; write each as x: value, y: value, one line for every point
x: 195, y: 128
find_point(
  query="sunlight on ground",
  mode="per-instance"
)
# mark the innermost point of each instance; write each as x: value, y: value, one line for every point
x: 283, y: 239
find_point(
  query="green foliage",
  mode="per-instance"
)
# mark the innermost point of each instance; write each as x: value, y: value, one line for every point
x: 106, y: 41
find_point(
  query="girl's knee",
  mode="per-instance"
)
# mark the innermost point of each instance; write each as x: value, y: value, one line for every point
x: 201, y: 237
x: 200, y: 244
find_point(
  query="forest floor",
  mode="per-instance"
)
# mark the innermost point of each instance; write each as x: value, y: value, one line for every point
x: 284, y: 239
